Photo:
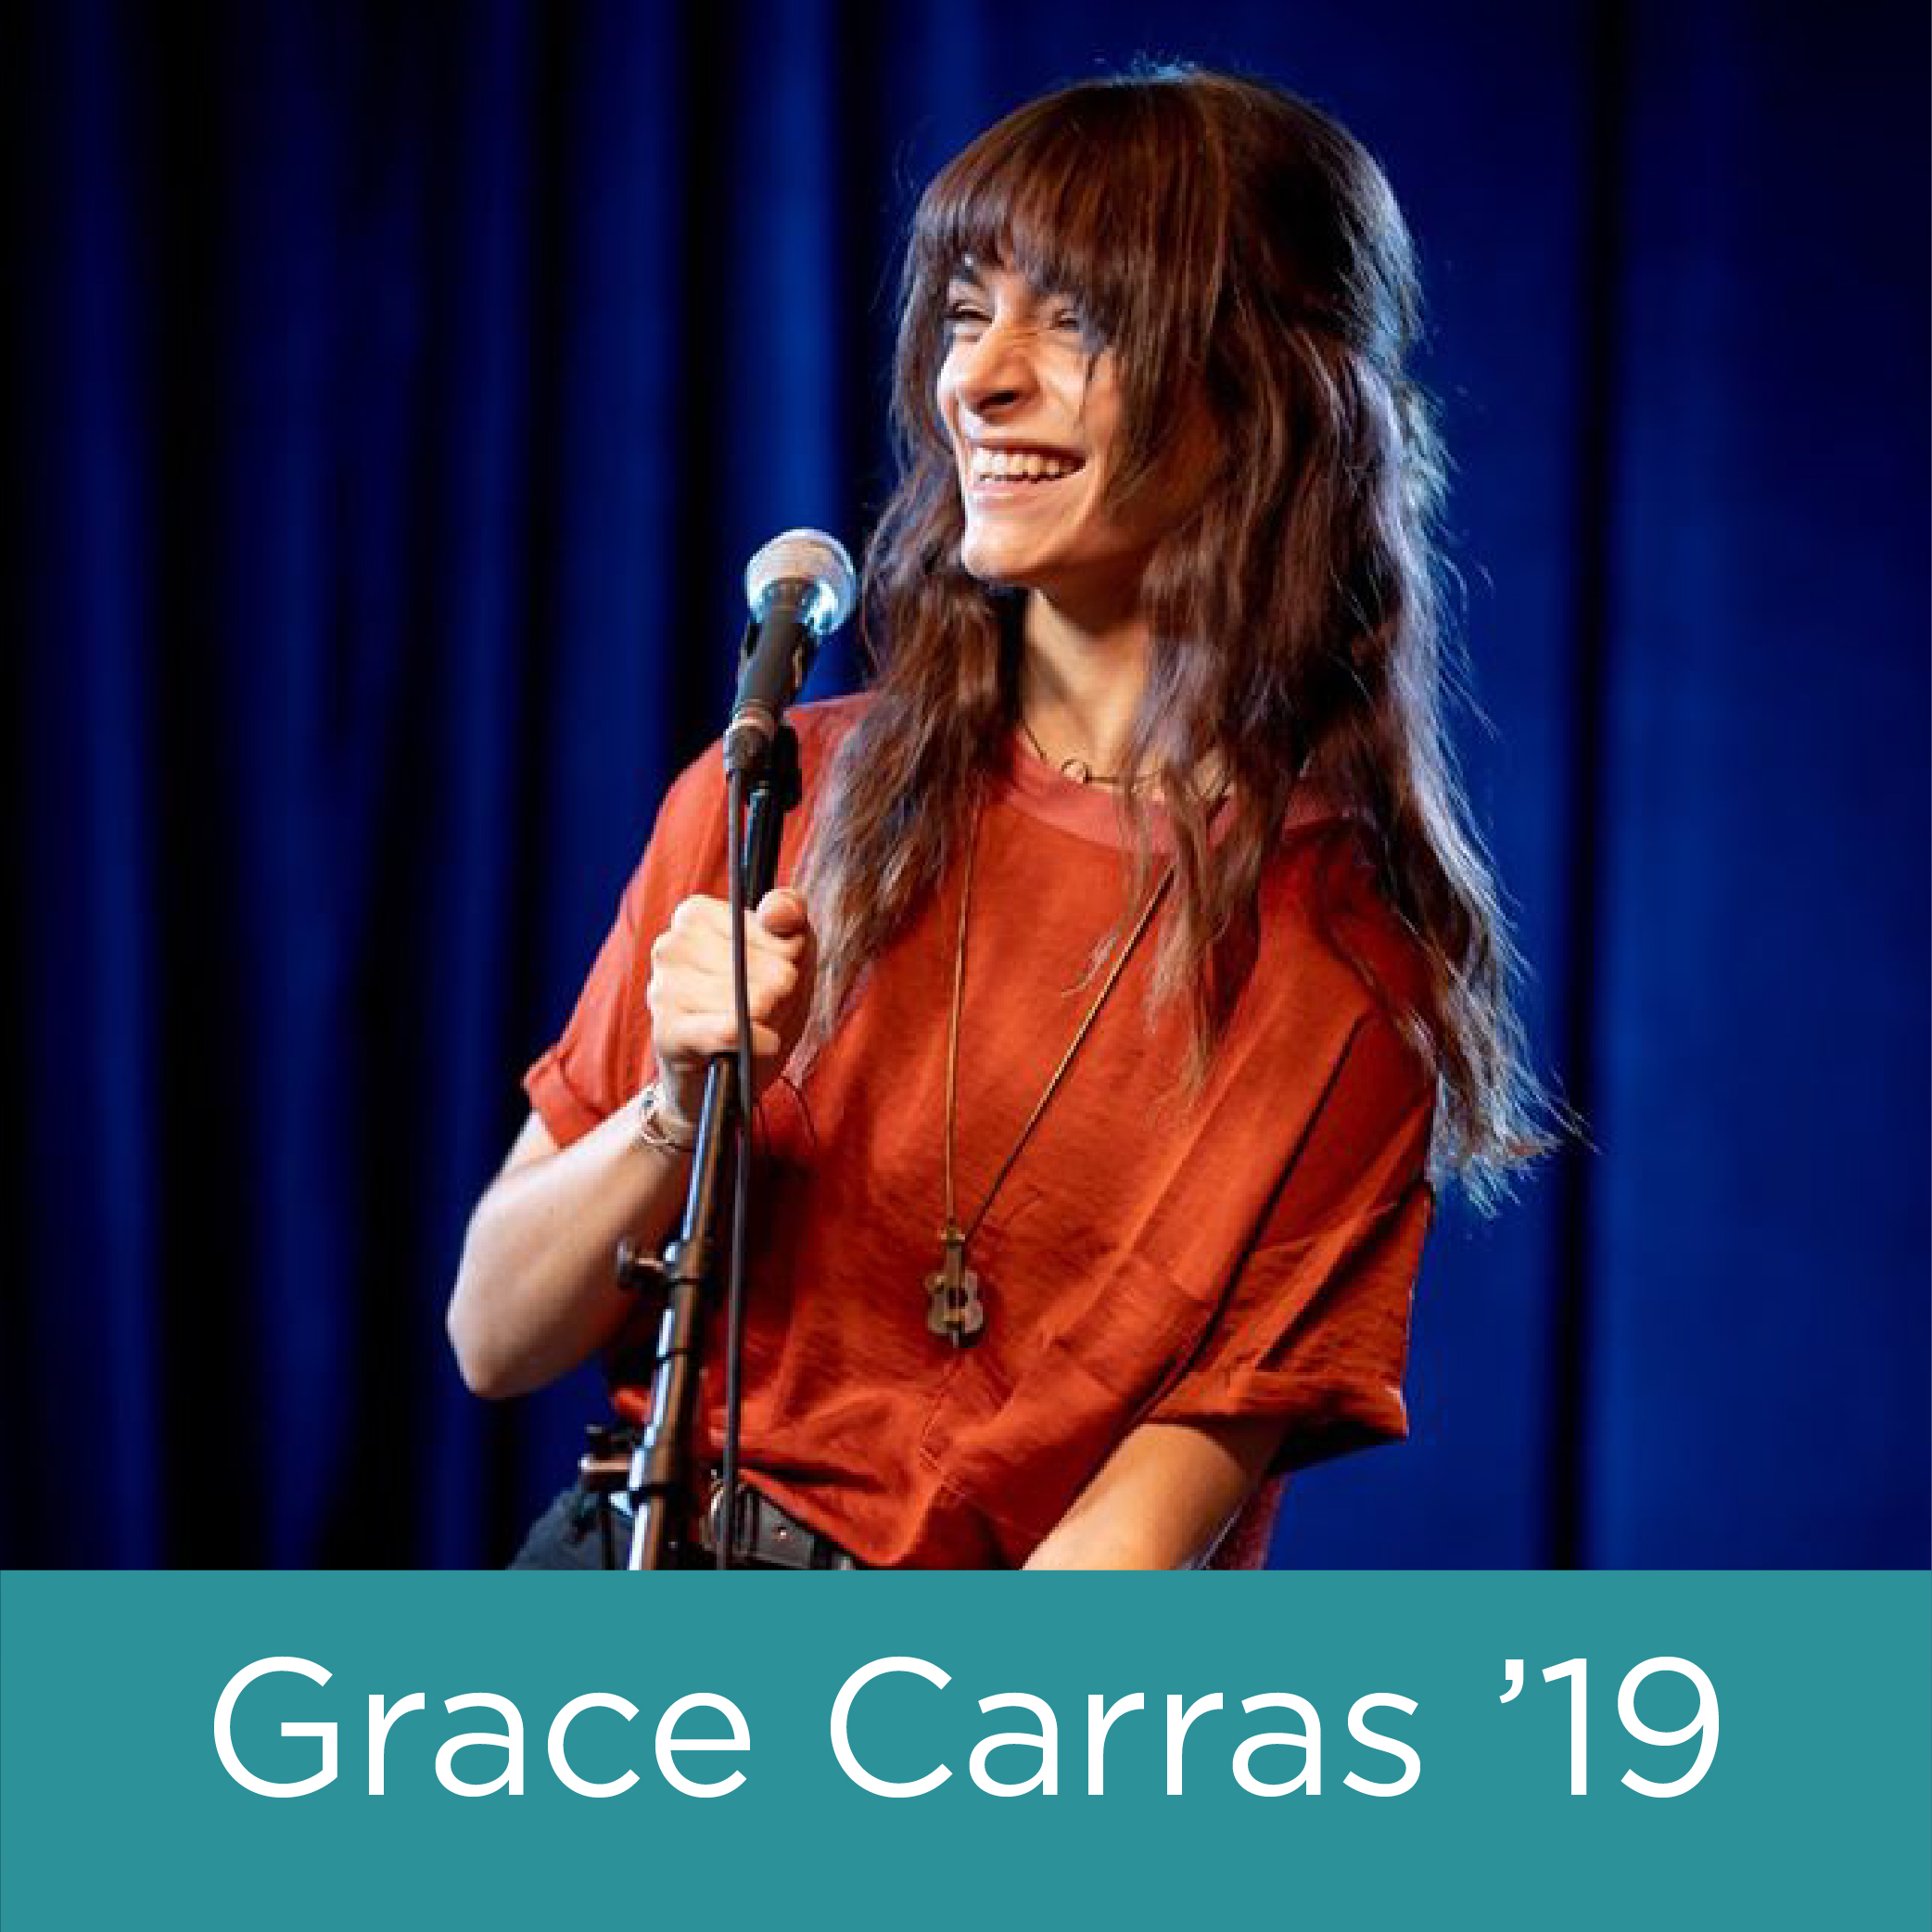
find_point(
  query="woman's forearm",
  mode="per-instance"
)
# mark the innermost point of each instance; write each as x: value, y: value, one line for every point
x: 1163, y: 1498
x: 536, y: 1291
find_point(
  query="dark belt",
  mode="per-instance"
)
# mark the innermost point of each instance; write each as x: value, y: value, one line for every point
x: 768, y: 1537
x: 768, y: 1534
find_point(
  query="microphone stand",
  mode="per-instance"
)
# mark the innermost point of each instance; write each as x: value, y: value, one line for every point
x: 659, y: 1475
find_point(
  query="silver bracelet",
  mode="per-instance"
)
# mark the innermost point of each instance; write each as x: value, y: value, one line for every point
x: 658, y: 1127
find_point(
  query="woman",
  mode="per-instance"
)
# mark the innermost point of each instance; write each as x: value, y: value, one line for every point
x: 1138, y: 953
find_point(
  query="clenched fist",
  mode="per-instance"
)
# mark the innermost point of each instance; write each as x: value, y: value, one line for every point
x: 690, y: 993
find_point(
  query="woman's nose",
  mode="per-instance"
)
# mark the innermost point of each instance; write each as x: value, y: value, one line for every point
x: 994, y: 369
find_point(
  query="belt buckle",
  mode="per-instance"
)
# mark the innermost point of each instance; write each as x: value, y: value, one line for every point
x: 769, y: 1536
x: 714, y: 1519
x: 741, y: 1539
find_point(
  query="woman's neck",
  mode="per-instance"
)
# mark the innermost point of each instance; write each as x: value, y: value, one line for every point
x: 1080, y: 683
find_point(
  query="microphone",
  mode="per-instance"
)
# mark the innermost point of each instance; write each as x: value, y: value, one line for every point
x: 801, y: 587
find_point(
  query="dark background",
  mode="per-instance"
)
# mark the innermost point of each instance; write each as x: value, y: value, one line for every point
x: 398, y: 393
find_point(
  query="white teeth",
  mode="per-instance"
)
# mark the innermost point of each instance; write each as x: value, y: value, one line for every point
x: 1015, y: 466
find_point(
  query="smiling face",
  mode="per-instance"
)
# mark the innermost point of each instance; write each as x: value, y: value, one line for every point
x: 1033, y: 411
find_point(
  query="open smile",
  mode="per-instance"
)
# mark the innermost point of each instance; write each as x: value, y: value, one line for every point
x: 1008, y: 475
x: 1004, y: 490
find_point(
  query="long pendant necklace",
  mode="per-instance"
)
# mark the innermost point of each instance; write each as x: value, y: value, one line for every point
x: 954, y: 1307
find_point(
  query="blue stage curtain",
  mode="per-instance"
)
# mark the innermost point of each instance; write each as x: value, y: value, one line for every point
x: 396, y: 394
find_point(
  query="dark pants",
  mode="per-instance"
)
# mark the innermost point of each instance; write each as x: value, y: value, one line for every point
x: 565, y: 1537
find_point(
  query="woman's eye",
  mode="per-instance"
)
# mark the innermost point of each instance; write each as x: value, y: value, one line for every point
x: 964, y: 315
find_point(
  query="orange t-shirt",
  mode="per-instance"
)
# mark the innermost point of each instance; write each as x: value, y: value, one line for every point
x: 1249, y: 1252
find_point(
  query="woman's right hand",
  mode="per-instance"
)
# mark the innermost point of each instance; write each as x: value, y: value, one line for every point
x: 693, y: 1011
x: 535, y: 1291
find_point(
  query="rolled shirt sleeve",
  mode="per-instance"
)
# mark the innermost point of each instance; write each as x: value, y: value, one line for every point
x: 598, y: 1062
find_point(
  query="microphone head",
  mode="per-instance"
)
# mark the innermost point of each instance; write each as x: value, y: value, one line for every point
x: 808, y: 557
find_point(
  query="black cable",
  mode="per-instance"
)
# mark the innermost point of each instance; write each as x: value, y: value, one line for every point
x: 740, y: 1179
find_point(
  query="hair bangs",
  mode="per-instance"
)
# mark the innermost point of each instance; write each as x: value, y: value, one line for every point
x: 1028, y: 197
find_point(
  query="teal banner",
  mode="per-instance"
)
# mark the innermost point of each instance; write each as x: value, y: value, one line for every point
x: 1536, y: 1749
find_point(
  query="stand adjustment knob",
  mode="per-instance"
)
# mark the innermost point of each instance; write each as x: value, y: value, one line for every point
x: 637, y: 1272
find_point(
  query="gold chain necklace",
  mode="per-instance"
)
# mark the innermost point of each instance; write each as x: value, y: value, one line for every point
x: 953, y: 1305
x: 1078, y: 770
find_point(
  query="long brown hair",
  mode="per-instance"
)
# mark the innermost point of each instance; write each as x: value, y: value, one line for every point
x: 1225, y: 239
